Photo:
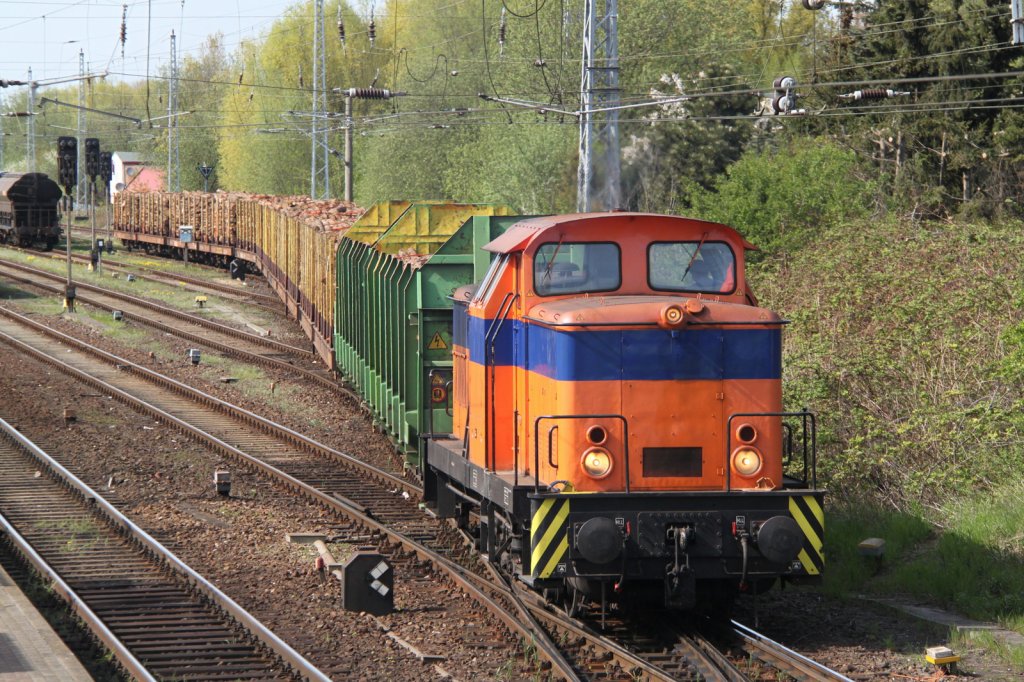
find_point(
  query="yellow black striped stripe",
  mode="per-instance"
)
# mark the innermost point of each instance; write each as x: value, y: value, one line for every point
x: 807, y: 512
x: 549, y: 542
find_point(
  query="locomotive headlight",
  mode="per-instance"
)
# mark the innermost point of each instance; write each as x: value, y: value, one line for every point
x: 746, y: 433
x: 597, y: 462
x: 671, y: 316
x: 746, y: 461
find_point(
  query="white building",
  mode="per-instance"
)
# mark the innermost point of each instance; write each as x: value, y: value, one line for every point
x: 127, y: 166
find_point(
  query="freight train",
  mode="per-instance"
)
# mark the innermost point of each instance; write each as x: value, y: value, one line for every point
x: 597, y: 397
x: 28, y: 209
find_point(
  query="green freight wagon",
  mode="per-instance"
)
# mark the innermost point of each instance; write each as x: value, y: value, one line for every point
x: 397, y: 268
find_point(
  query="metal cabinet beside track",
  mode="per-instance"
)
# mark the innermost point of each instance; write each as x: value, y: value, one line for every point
x: 397, y: 268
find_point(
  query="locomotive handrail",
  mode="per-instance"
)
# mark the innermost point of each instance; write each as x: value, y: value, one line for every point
x: 804, y: 415
x: 551, y: 437
x: 536, y: 442
x: 489, y: 338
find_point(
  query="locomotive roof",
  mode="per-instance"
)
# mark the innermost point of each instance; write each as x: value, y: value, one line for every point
x: 29, y: 187
x: 519, y: 236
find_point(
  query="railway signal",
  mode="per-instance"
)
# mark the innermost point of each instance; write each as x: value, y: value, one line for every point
x: 92, y: 169
x: 67, y: 161
x: 67, y: 172
x: 92, y: 157
x: 106, y: 173
x: 205, y: 170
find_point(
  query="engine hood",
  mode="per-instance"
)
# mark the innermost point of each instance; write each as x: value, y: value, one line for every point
x: 631, y: 311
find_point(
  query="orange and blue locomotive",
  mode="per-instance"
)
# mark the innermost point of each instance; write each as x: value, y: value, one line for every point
x: 617, y: 418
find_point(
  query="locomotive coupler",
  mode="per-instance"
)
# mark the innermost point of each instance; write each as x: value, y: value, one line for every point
x: 680, y: 581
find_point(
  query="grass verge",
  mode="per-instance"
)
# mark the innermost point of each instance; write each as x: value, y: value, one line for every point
x: 966, y: 556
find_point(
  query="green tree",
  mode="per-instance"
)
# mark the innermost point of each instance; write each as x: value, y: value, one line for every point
x: 780, y: 200
x: 938, y: 148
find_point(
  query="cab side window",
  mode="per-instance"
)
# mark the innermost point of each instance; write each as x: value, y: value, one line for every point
x: 561, y: 268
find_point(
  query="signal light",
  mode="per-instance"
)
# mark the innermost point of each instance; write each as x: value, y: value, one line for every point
x: 67, y: 161
x: 92, y: 157
x: 746, y: 461
x: 106, y: 166
x: 746, y: 433
x: 596, y: 435
x: 671, y: 316
x: 596, y: 462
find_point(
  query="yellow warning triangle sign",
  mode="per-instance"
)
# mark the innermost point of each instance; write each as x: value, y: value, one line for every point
x: 437, y: 343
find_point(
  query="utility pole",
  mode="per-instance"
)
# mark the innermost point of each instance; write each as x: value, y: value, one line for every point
x: 320, y: 186
x: 30, y: 147
x: 1, y: 131
x: 348, y: 146
x: 599, y: 88
x: 173, y: 160
x: 33, y: 85
x: 350, y: 94
x: 82, y: 188
x: 1017, y: 21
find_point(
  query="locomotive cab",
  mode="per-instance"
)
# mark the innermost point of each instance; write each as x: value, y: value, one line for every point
x: 618, y: 415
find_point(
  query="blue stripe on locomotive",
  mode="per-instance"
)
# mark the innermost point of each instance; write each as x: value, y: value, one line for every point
x: 629, y: 354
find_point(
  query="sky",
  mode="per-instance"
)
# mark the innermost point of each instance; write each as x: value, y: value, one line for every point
x: 47, y: 35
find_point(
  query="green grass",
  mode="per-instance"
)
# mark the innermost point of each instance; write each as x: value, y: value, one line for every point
x: 961, y: 641
x: 966, y: 556
x: 174, y: 297
x: 847, y: 571
x: 976, y: 565
x: 253, y: 382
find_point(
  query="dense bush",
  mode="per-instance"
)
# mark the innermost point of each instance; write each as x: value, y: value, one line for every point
x: 899, y: 341
x: 782, y: 199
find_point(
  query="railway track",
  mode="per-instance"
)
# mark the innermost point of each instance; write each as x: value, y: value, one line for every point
x: 156, y: 616
x: 33, y: 275
x: 221, y: 338
x: 175, y: 279
x: 792, y: 663
x: 380, y: 505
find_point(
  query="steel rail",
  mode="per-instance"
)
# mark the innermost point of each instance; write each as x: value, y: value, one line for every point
x: 278, y: 430
x: 116, y: 647
x: 125, y: 525
x: 202, y: 322
x: 226, y: 349
x: 784, y: 658
x: 723, y: 668
x: 538, y: 611
x: 256, y: 297
x: 457, y: 573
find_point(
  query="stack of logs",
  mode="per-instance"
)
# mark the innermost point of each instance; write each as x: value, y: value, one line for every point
x: 291, y: 240
x: 214, y: 216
